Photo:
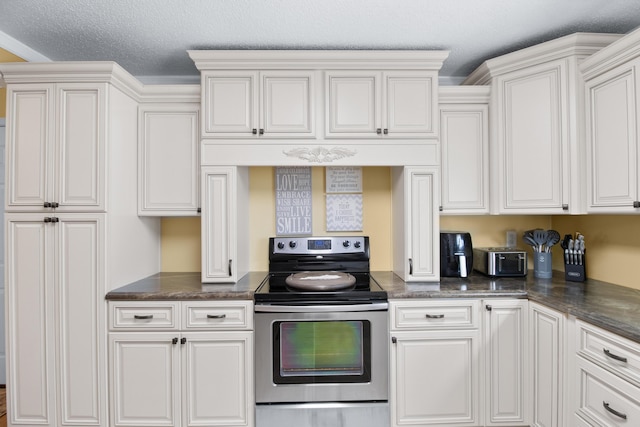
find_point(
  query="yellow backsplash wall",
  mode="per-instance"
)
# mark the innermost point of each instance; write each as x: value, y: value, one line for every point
x: 613, y: 241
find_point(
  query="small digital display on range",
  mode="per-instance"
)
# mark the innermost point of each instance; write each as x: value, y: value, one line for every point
x: 319, y: 244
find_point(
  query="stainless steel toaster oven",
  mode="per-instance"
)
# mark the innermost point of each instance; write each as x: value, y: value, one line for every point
x: 501, y: 262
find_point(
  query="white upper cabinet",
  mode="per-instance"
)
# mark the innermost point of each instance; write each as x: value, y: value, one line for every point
x: 464, y: 142
x: 370, y: 104
x: 612, y: 97
x: 168, y: 161
x: 63, y: 124
x: 253, y: 104
x: 537, y: 147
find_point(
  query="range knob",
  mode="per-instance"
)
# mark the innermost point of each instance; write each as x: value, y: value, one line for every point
x: 292, y: 244
x: 280, y: 245
x: 346, y: 243
x: 356, y: 245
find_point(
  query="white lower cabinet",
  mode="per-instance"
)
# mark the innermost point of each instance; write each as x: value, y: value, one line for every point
x: 606, y: 378
x: 180, y: 378
x: 547, y: 334
x: 507, y: 364
x: 435, y: 363
x: 55, y: 349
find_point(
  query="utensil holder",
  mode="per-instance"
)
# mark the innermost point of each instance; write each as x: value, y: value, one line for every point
x: 575, y: 272
x: 542, y: 265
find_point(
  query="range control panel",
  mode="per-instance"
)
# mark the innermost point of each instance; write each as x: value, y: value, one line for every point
x: 319, y: 245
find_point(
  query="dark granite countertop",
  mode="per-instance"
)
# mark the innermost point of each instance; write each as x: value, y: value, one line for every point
x: 611, y: 307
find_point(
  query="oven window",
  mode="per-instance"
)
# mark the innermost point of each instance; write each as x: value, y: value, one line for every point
x: 322, y: 351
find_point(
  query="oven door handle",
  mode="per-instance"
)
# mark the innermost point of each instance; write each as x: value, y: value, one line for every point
x: 272, y: 308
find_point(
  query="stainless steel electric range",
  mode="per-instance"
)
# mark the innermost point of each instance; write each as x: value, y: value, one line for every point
x: 321, y: 335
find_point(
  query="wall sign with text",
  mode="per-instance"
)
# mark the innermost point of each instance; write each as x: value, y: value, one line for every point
x: 293, y: 201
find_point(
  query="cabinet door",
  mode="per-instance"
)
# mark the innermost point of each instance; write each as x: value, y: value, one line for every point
x: 29, y: 146
x: 506, y: 354
x: 422, y: 225
x: 410, y: 104
x: 435, y: 378
x: 532, y: 135
x: 217, y: 379
x: 613, y: 140
x: 145, y: 384
x: 353, y: 104
x: 287, y: 100
x: 30, y: 334
x: 230, y: 104
x: 169, y: 164
x: 80, y: 288
x: 465, y: 162
x: 81, y: 149
x: 547, y: 350
x: 224, y: 223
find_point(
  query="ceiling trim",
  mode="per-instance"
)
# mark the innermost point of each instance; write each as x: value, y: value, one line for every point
x: 20, y: 49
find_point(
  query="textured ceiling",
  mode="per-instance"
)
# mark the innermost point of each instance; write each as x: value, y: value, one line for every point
x: 151, y: 37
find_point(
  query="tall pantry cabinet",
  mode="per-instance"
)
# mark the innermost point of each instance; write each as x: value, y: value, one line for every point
x: 70, y: 236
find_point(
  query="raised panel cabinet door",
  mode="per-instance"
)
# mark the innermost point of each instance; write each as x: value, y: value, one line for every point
x: 287, y: 100
x: 30, y: 334
x: 422, y: 230
x: 230, y: 104
x: 169, y: 163
x: 217, y: 375
x: 464, y: 143
x: 547, y: 354
x: 435, y: 378
x: 613, y: 140
x: 353, y: 104
x: 145, y: 379
x: 80, y: 288
x: 29, y: 146
x: 533, y: 139
x: 410, y: 104
x: 506, y: 347
x: 218, y: 219
x: 80, y: 179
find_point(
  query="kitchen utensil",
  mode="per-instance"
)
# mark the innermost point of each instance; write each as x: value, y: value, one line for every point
x: 571, y: 253
x: 540, y: 237
x: 553, y: 237
x: 529, y: 240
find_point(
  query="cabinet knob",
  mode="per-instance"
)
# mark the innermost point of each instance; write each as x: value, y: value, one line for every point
x: 386, y: 132
x: 488, y: 307
x: 379, y: 131
x: 394, y: 340
x: 254, y: 131
x: 261, y: 131
x: 230, y: 271
x: 565, y: 207
x: 410, y: 266
x: 183, y: 341
x: 174, y: 341
x: 47, y: 219
x: 47, y: 205
x: 636, y: 204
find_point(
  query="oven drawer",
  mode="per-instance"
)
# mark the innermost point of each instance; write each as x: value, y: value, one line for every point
x: 218, y: 315
x: 435, y: 314
x: 611, y: 351
x: 135, y: 315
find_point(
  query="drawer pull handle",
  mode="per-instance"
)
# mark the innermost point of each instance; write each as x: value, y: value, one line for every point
x: 613, y: 411
x: 435, y: 316
x: 143, y: 316
x: 614, y: 356
x: 216, y: 316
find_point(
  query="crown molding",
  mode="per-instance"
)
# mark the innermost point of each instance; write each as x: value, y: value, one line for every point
x: 20, y: 49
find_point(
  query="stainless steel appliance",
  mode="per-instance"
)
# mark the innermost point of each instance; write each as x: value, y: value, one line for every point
x: 321, y: 336
x: 501, y: 262
x: 456, y: 254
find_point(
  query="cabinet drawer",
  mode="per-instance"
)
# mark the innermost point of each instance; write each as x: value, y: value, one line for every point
x: 218, y: 315
x: 611, y: 351
x: 605, y: 398
x: 449, y: 314
x: 136, y: 315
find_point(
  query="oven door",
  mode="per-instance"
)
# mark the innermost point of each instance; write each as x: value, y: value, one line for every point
x: 321, y: 353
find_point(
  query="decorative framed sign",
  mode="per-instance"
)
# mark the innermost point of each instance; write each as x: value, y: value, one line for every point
x: 344, y: 212
x: 344, y: 179
x: 293, y: 201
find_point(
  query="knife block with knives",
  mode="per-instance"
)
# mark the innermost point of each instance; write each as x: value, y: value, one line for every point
x: 574, y: 257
